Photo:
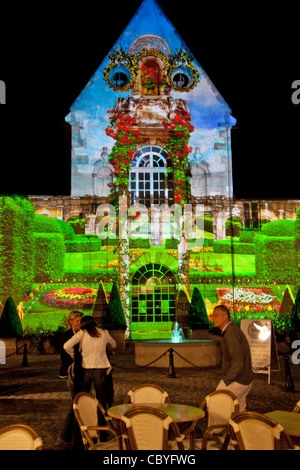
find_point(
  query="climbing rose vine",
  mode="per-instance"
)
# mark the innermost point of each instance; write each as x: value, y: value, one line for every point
x: 180, y: 130
x: 121, y: 129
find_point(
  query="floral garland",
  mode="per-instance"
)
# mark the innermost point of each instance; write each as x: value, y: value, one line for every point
x: 121, y: 129
x: 177, y: 146
x: 192, y: 84
x: 121, y: 57
x: 150, y: 52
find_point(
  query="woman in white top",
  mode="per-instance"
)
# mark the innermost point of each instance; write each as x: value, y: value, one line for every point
x: 95, y: 363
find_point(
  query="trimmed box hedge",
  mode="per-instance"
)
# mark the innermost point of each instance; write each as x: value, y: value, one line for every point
x: 276, y: 258
x: 49, y: 256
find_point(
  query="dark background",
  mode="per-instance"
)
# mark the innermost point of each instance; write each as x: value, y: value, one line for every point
x: 49, y: 53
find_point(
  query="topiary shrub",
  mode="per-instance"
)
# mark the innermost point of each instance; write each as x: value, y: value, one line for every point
x: 279, y: 228
x: 10, y: 323
x: 198, y: 318
x: 16, y: 247
x: 66, y: 230
x: 115, y: 318
x: 44, y: 224
x: 275, y: 258
x: 49, y: 256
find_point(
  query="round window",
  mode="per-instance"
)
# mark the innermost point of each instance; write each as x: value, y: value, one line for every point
x: 119, y: 76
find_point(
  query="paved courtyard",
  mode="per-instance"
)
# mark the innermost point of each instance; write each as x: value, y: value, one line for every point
x: 36, y: 396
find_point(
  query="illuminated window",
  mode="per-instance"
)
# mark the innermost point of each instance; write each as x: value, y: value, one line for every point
x: 150, y: 182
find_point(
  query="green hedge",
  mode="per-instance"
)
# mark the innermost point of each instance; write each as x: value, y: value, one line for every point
x: 49, y: 256
x: 171, y: 243
x: 44, y: 224
x: 66, y: 229
x: 228, y: 246
x: 276, y: 258
x: 83, y: 244
x: 279, y: 228
x: 16, y: 247
x: 247, y: 236
x: 140, y: 243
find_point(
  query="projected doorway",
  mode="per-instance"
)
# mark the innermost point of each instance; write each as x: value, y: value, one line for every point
x: 153, y: 294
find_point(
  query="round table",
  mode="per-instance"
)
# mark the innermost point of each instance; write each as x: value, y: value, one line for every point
x: 179, y: 413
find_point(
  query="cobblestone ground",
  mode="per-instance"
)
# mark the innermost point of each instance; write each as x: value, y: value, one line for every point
x: 36, y: 396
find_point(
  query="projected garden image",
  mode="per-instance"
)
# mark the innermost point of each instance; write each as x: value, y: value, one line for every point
x: 151, y: 226
x: 48, y: 271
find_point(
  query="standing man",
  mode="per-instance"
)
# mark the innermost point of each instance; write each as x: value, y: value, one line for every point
x: 236, y: 357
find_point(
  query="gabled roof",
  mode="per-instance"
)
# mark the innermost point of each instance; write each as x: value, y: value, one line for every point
x: 207, y: 106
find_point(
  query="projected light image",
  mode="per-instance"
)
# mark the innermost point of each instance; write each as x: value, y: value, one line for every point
x: 151, y: 217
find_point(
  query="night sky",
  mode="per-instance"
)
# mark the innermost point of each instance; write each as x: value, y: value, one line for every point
x: 49, y: 54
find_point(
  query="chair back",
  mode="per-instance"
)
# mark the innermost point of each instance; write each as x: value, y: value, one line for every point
x: 250, y: 430
x: 146, y: 428
x: 221, y: 405
x: 147, y: 393
x: 296, y: 408
x: 86, y: 410
x: 19, y: 437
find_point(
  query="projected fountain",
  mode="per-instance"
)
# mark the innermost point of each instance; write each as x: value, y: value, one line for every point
x: 191, y: 352
x: 177, y: 334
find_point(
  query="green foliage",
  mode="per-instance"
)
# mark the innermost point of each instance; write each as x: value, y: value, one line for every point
x: 139, y: 243
x: 296, y: 313
x: 49, y: 256
x: 197, y: 315
x: 66, y: 229
x: 171, y: 243
x: 16, y: 247
x: 247, y: 236
x: 78, y: 224
x: 44, y: 224
x: 279, y: 228
x: 83, y: 244
x: 229, y: 246
x: 275, y: 258
x: 115, y: 318
x: 10, y: 323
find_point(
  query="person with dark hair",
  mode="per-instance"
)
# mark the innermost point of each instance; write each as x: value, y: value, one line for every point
x: 66, y: 435
x: 95, y: 363
x: 236, y: 357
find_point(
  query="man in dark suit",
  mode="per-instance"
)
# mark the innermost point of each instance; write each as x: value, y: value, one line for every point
x: 236, y: 357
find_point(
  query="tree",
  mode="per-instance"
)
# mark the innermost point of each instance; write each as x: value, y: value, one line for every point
x: 197, y: 315
x: 10, y: 323
x: 296, y: 313
x: 115, y: 318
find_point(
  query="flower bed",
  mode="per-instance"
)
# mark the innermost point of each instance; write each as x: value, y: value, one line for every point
x: 245, y: 299
x: 71, y: 297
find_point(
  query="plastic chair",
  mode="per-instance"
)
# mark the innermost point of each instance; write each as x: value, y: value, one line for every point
x: 219, y: 406
x: 250, y: 430
x: 19, y: 437
x: 147, y: 393
x: 86, y: 409
x: 146, y: 428
x: 296, y: 408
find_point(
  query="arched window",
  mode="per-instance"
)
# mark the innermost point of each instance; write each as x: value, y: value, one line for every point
x: 102, y: 176
x: 153, y: 294
x: 150, y: 182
